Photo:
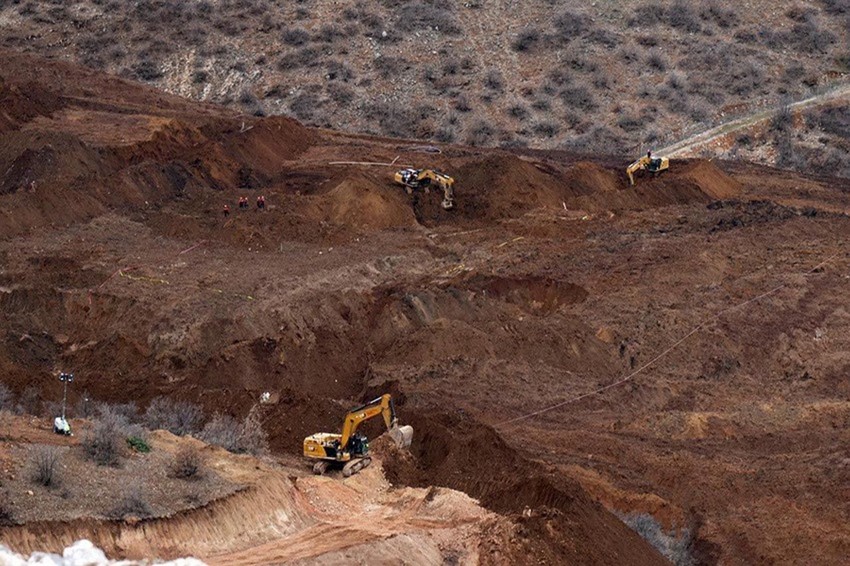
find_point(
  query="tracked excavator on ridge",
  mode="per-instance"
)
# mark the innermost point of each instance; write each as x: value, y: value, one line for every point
x: 654, y: 165
x: 414, y: 179
x: 351, y: 448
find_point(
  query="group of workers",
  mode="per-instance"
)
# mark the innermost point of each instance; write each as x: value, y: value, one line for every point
x: 243, y: 204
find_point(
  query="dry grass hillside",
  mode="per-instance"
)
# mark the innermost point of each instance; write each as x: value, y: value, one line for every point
x: 607, y: 76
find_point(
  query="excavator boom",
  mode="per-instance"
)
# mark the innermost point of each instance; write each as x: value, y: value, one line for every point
x: 383, y: 406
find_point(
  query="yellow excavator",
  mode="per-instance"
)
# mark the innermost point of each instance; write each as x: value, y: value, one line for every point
x: 415, y: 179
x: 351, y: 448
x: 654, y: 165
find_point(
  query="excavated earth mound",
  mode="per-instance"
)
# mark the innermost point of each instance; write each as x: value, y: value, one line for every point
x: 559, y: 523
x: 686, y: 181
x: 361, y: 203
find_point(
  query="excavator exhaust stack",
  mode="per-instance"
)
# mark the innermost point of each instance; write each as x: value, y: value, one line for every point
x: 401, y: 435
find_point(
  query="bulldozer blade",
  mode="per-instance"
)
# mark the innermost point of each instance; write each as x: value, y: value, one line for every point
x: 402, y: 435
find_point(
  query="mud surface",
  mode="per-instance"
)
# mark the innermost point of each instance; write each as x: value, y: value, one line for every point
x: 550, y: 280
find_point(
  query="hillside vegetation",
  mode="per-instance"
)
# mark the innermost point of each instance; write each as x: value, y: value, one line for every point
x: 612, y: 76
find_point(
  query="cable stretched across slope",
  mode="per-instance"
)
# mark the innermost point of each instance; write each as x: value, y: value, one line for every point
x: 665, y: 352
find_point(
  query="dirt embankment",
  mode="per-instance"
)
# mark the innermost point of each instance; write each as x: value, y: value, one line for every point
x: 344, y: 286
x: 557, y: 522
x: 279, y: 514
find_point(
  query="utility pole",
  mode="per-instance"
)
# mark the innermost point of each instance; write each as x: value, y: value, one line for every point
x: 65, y: 378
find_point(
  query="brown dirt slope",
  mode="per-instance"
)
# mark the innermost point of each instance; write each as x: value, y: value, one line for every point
x: 480, y: 317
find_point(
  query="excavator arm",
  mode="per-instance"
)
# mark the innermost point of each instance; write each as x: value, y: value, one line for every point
x: 636, y: 166
x: 383, y: 406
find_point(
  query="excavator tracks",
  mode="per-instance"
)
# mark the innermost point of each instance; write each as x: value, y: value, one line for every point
x: 355, y: 465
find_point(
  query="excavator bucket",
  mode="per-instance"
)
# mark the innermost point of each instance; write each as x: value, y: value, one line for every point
x: 401, y: 435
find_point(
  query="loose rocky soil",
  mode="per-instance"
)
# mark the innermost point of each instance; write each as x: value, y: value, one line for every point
x: 552, y: 280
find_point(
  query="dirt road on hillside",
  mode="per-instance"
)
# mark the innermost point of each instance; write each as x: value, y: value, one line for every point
x: 690, y: 146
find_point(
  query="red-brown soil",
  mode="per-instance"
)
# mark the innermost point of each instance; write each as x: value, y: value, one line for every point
x: 552, y: 278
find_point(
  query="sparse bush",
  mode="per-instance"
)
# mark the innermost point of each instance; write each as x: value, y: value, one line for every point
x: 328, y: 33
x: 578, y: 97
x: 103, y: 442
x: 526, y: 40
x: 187, y: 463
x: 245, y: 437
x: 423, y: 14
x: 340, y: 93
x: 126, y: 412
x: 541, y: 104
x: 445, y: 134
x: 783, y: 119
x: 656, y: 61
x: 494, y: 81
x: 200, y: 77
x: 295, y: 36
x: 462, y: 104
x: 303, y: 57
x: 518, y: 112
x: 680, y: 16
x: 570, y: 25
x: 723, y: 17
x: 223, y: 431
x: 629, y: 123
x: 339, y: 71
x: 647, y: 15
x: 7, y: 515
x: 30, y: 402
x: 390, y: 66
x: 480, y: 134
x: 809, y: 38
x: 599, y: 139
x: 304, y: 106
x: 603, y: 37
x: 7, y: 398
x: 177, y: 417
x: 254, y: 439
x: 44, y: 461
x: 836, y: 6
x: 132, y: 504
x: 547, y: 129
x: 147, y: 70
x: 677, y: 547
x: 677, y: 81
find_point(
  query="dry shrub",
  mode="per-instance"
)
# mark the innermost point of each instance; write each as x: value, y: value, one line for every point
x: 224, y: 431
x: 254, y: 438
x: 132, y: 504
x: 526, y: 39
x: 177, y: 417
x: 7, y: 515
x: 104, y: 442
x: 245, y: 437
x: 7, y: 398
x: 187, y: 464
x: 44, y: 463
